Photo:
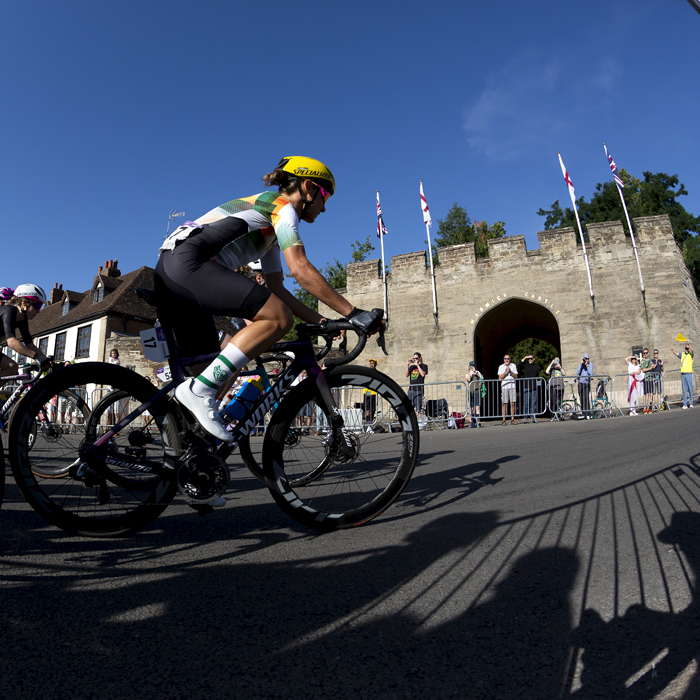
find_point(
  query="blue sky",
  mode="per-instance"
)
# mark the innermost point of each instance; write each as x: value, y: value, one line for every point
x: 113, y: 114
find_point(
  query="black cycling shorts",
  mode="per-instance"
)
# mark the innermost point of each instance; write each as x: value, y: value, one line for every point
x: 191, y: 288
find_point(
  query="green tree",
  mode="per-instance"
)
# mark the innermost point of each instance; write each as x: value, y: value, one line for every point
x: 656, y: 194
x: 457, y: 228
x: 543, y: 351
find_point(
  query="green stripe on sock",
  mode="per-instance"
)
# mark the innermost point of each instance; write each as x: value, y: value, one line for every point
x: 204, y: 380
x: 226, y: 361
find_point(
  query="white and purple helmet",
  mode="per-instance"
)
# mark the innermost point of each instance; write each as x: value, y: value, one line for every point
x: 33, y: 292
x: 6, y: 293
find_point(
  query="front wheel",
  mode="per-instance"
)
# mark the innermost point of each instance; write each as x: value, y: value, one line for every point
x: 330, y: 481
x: 121, y: 490
x: 567, y: 409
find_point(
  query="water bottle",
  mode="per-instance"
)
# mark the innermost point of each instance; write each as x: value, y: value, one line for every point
x: 244, y: 399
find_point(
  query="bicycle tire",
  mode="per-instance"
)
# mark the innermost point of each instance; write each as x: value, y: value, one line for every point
x: 567, y: 410
x: 2, y: 470
x: 316, y: 489
x: 104, y: 503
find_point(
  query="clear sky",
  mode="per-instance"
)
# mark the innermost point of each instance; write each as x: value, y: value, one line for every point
x: 113, y: 114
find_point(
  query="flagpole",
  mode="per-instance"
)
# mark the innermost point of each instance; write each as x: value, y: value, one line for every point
x: 428, y: 220
x: 578, y: 222
x: 381, y: 230
x: 629, y: 224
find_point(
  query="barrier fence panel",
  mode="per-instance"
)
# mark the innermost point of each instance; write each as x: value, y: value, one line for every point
x: 435, y: 403
x: 673, y: 387
x: 648, y: 394
x: 523, y: 397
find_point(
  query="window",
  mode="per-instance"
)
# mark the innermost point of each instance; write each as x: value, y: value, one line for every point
x: 59, y: 352
x: 66, y: 307
x: 98, y: 295
x: 82, y: 348
x: 44, y: 346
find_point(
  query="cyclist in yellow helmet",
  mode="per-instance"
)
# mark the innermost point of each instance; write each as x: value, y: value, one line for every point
x: 195, y: 278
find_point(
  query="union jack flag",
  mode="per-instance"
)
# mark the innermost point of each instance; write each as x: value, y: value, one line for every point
x: 381, y: 229
x: 613, y: 167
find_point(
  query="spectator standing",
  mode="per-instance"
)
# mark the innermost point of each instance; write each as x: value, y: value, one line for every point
x: 530, y: 372
x: 645, y: 366
x: 657, y: 369
x: 636, y: 383
x: 686, y: 358
x: 416, y: 370
x: 584, y: 374
x: 473, y: 375
x: 369, y: 400
x: 556, y: 385
x: 507, y: 373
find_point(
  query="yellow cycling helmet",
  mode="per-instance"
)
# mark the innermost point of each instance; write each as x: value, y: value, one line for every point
x: 309, y: 168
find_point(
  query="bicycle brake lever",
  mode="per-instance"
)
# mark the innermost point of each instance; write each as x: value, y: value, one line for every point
x: 381, y: 343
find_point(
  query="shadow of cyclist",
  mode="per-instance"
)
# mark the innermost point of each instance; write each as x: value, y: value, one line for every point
x: 641, y: 652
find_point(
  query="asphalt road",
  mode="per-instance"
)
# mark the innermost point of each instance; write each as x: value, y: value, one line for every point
x: 530, y: 561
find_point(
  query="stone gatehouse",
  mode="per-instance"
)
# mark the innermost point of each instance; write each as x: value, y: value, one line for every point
x: 486, y: 305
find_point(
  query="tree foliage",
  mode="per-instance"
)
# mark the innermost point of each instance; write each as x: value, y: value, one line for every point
x: 457, y: 228
x: 656, y: 194
x: 543, y: 351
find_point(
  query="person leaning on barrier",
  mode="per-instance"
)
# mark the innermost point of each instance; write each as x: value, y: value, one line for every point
x: 369, y: 400
x: 508, y: 373
x: 473, y: 375
x: 645, y: 365
x: 556, y: 385
x: 636, y: 383
x: 686, y: 359
x: 584, y: 374
x: 655, y: 372
x: 416, y: 370
x: 530, y: 372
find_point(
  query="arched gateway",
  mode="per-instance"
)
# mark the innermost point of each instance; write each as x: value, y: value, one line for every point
x: 506, y: 323
x: 485, y: 305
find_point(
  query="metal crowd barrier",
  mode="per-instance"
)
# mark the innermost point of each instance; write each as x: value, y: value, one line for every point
x: 651, y: 395
x: 488, y: 395
x: 435, y: 402
x: 673, y: 387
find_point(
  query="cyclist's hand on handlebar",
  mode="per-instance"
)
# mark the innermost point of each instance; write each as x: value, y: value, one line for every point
x: 43, y: 361
x: 368, y: 321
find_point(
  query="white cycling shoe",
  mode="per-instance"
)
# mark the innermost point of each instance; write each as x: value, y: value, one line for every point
x: 203, y: 408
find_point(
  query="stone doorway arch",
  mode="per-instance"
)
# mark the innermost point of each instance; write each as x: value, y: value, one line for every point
x: 508, y: 323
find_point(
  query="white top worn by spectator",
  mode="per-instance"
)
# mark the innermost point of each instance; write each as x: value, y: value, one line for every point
x: 508, y: 381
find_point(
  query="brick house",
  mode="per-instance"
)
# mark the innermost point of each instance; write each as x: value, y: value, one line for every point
x: 86, y: 326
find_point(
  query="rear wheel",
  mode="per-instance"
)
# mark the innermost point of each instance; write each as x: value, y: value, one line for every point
x: 567, y: 409
x: 121, y: 490
x: 328, y: 481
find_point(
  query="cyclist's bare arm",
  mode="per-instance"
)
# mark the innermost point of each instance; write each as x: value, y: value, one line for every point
x: 29, y: 350
x: 313, y: 282
x: 275, y: 283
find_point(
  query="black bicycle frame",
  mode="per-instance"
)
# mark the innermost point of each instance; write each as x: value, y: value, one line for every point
x: 304, y: 358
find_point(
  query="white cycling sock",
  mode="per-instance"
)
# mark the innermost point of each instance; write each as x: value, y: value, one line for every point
x: 230, y: 360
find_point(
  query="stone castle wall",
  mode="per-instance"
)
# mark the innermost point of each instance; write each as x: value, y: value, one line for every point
x: 553, y: 277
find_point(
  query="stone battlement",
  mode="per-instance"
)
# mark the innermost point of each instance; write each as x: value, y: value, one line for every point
x: 607, y: 242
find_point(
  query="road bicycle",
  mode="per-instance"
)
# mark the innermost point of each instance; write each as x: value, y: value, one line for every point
x: 122, y: 476
x: 44, y: 427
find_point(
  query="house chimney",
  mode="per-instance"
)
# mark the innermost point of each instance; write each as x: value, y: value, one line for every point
x: 56, y: 293
x: 112, y: 270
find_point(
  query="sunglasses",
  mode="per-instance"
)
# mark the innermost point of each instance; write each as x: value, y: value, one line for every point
x: 324, y: 194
